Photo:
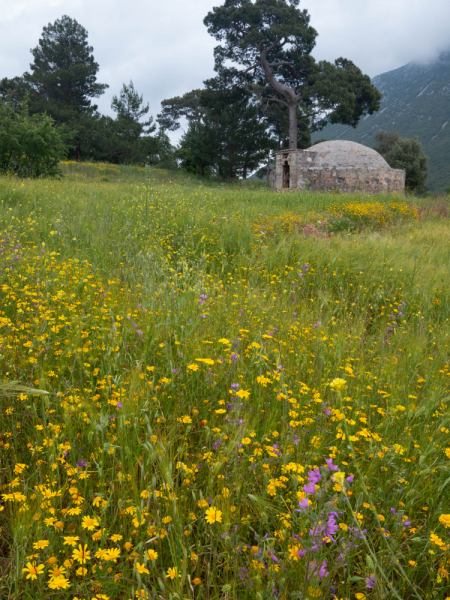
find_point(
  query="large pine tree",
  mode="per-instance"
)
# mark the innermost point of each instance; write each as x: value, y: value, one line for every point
x: 63, y: 78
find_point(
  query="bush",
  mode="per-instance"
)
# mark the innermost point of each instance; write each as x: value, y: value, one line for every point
x: 30, y: 146
x: 406, y: 154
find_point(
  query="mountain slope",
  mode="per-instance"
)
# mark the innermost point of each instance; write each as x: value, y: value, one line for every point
x: 416, y: 101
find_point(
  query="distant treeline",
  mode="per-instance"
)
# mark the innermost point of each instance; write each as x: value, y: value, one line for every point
x: 273, y: 98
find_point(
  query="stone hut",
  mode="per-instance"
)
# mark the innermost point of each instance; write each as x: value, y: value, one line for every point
x: 335, y: 165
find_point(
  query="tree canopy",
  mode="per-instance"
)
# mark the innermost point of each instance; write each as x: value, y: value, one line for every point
x: 63, y: 75
x: 272, y: 40
x: 189, y: 106
x: 30, y: 146
x: 406, y: 154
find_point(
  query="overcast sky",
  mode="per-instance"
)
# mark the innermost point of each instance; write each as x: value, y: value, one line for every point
x: 165, y: 49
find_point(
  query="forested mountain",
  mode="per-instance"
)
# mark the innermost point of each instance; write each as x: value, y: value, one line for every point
x: 416, y: 101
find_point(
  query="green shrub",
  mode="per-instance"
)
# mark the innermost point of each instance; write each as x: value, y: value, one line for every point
x: 30, y: 146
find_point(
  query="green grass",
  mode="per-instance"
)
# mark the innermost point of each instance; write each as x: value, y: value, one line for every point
x: 186, y: 334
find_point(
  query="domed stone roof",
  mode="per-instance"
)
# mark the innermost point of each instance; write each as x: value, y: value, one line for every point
x: 341, y: 153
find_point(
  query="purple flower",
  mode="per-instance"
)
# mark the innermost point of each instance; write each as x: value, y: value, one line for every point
x: 332, y: 467
x: 323, y: 570
x: 82, y: 463
x: 314, y: 476
x: 309, y: 488
x: 301, y: 553
x: 119, y: 405
x: 304, y: 503
x: 234, y: 356
x: 234, y: 386
x: 350, y: 478
x: 332, y: 527
x: 371, y: 581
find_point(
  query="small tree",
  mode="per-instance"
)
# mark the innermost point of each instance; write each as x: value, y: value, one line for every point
x: 273, y: 40
x: 406, y: 154
x: 386, y: 141
x: 230, y: 139
x: 30, y: 146
x: 128, y: 126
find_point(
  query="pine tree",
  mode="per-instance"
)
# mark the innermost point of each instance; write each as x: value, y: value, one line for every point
x: 63, y: 78
x: 273, y: 40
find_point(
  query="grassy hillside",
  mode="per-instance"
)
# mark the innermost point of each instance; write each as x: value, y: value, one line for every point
x: 246, y: 392
x: 416, y: 101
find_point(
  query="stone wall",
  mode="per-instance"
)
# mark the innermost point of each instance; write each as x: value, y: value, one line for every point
x: 298, y: 170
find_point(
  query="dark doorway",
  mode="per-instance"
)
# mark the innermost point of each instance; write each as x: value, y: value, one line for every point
x: 286, y: 175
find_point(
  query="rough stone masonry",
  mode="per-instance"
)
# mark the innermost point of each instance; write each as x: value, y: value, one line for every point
x: 335, y: 165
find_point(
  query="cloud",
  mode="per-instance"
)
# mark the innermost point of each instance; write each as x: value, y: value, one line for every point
x: 380, y: 35
x: 165, y: 48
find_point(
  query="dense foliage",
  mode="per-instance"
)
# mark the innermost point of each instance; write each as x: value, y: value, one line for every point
x: 62, y: 84
x: 30, y: 146
x: 401, y: 153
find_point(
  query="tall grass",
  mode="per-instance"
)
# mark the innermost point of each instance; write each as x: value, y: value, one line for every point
x: 206, y: 349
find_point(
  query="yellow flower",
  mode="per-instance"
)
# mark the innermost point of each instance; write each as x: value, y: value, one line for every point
x: 246, y: 441
x: 224, y: 341
x: 243, y: 394
x: 220, y: 411
x: 41, y: 544
x: 59, y: 583
x: 339, y: 477
x: 193, y: 367
x: 337, y: 385
x: 172, y: 572
x: 112, y: 554
x: 213, y: 515
x: 116, y: 537
x: 152, y: 555
x: 71, y: 540
x: 89, y: 523
x: 81, y: 555
x: 360, y: 596
x: 197, y: 581
x: 56, y: 571
x: 185, y: 419
x: 32, y: 570
x: 445, y: 520
x: 202, y: 503
x: 142, y: 568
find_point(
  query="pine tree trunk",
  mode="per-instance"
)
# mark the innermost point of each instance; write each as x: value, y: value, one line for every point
x: 292, y: 126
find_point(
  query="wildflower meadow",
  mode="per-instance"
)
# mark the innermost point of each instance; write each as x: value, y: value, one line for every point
x: 212, y: 391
